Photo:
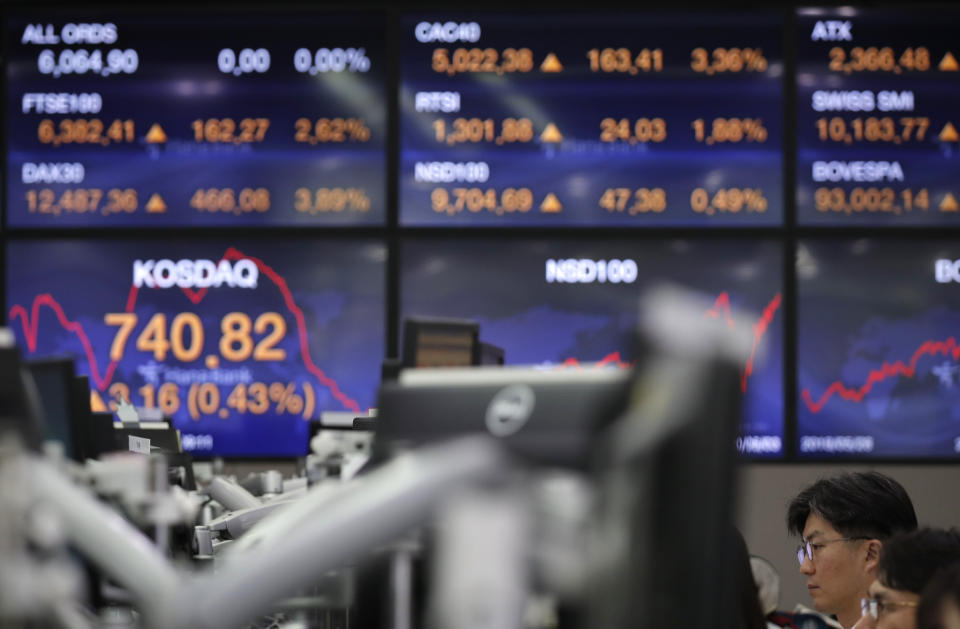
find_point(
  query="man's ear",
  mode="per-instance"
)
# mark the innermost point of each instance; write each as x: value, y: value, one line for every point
x: 872, y: 558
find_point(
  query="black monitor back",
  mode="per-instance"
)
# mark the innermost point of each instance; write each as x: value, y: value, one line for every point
x: 491, y: 354
x: 55, y: 382
x: 19, y: 401
x: 167, y: 439
x: 682, y: 558
x: 545, y: 416
x: 668, y: 487
x: 81, y: 416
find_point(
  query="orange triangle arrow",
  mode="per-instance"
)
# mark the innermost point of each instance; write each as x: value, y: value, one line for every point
x: 156, y: 135
x: 551, y: 204
x: 551, y: 64
x: 949, y: 133
x: 156, y: 205
x: 949, y: 204
x: 949, y: 63
x: 551, y: 134
x: 96, y: 403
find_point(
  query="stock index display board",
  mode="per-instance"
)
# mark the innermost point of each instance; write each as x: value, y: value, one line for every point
x: 878, y: 107
x: 171, y: 119
x: 241, y: 342
x: 617, y: 120
x: 877, y: 351
x: 561, y: 304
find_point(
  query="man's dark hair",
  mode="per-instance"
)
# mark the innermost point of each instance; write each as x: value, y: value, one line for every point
x: 944, y: 587
x: 908, y: 561
x: 860, y: 504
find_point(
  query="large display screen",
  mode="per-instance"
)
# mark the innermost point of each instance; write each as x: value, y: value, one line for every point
x: 877, y: 348
x: 563, y: 303
x: 239, y: 342
x: 584, y: 119
x: 878, y: 91
x: 166, y: 118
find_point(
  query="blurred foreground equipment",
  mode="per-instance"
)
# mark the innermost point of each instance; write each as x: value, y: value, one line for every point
x: 523, y: 497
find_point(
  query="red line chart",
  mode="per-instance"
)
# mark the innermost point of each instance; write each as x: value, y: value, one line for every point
x: 722, y: 305
x: 31, y: 322
x: 947, y: 347
x: 721, y: 308
x: 613, y: 358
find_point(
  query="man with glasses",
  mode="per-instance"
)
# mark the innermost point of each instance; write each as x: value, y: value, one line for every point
x: 907, y: 563
x: 843, y: 523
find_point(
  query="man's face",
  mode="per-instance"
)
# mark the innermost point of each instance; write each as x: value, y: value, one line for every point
x: 836, y: 577
x: 897, y: 609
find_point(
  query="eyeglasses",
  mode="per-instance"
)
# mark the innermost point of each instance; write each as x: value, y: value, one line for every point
x: 806, y: 550
x: 876, y: 606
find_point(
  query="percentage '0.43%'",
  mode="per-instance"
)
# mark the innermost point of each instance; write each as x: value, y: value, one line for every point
x: 206, y: 399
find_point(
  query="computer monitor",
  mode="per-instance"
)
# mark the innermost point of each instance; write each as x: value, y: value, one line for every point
x: 546, y: 416
x: 19, y: 404
x: 81, y: 415
x: 99, y: 436
x: 657, y: 439
x: 436, y: 342
x: 491, y: 354
x: 54, y: 378
x: 104, y: 435
x: 679, y: 513
x: 668, y: 477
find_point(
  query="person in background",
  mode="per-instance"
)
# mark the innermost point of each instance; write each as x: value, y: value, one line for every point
x: 768, y: 585
x: 940, y: 601
x: 908, y: 563
x: 843, y: 522
x: 749, y: 614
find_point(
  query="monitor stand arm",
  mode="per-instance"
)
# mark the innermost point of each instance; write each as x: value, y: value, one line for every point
x: 343, y: 525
